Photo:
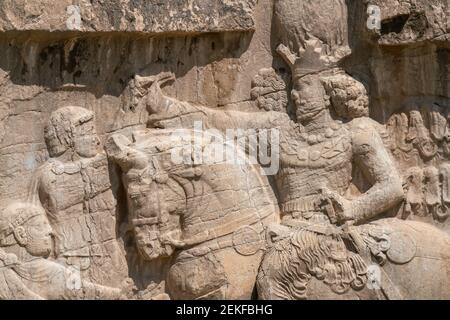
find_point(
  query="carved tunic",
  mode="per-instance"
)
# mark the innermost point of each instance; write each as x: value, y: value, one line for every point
x: 306, y: 169
x: 81, y: 208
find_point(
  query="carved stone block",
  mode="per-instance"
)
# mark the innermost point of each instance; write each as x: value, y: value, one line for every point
x: 206, y: 149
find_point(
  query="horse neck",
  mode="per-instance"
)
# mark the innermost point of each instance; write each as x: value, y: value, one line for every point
x: 220, y: 195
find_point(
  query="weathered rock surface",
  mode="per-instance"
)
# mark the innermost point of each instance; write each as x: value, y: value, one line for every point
x: 149, y: 16
x: 405, y: 21
x: 105, y: 184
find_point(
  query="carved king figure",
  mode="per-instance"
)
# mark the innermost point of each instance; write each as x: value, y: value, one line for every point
x: 326, y: 238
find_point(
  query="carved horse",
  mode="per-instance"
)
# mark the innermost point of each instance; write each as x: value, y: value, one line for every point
x: 208, y: 219
x: 387, y: 259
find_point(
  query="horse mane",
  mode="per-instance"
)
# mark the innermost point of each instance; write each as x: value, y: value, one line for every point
x: 291, y: 263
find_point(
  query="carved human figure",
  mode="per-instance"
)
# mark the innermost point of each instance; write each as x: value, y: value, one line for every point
x: 326, y: 243
x: 208, y: 219
x: 317, y: 153
x: 26, y: 272
x: 74, y: 188
x: 318, y: 156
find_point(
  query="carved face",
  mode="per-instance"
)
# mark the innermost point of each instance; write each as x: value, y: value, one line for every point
x: 71, y: 129
x: 39, y: 241
x: 308, y: 97
x: 86, y: 142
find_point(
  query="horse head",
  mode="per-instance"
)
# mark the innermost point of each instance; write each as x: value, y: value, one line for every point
x: 177, y: 204
x: 153, y: 198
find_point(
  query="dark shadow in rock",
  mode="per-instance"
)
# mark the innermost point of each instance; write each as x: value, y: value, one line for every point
x: 395, y: 24
x: 103, y: 63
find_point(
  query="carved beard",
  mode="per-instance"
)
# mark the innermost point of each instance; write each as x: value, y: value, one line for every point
x: 39, y: 247
x: 309, y: 113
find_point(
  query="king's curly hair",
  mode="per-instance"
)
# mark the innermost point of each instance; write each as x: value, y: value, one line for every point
x: 347, y: 95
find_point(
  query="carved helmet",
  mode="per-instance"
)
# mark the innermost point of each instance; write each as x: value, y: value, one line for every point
x: 16, y: 215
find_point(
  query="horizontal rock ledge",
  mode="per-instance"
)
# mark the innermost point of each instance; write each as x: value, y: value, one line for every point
x: 146, y: 16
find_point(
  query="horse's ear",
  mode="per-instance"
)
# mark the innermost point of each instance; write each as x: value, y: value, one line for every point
x: 118, y: 149
x: 160, y: 79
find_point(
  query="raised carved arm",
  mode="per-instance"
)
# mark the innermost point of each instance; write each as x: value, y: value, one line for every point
x: 169, y: 112
x: 372, y: 158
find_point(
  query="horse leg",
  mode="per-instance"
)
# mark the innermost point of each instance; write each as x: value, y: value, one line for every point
x: 197, y: 277
x: 241, y: 272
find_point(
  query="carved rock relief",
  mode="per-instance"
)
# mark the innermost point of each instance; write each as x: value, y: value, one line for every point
x: 355, y: 120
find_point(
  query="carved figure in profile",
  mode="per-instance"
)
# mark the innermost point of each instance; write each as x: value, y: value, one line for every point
x: 316, y: 141
x: 26, y: 272
x: 74, y: 188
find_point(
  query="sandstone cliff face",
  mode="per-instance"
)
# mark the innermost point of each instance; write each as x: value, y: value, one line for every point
x: 413, y: 36
x: 224, y: 55
x: 130, y: 16
x: 406, y: 22
x: 42, y: 71
x: 406, y: 67
x: 47, y: 63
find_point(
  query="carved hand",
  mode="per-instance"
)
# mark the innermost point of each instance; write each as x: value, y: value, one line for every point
x: 338, y: 208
